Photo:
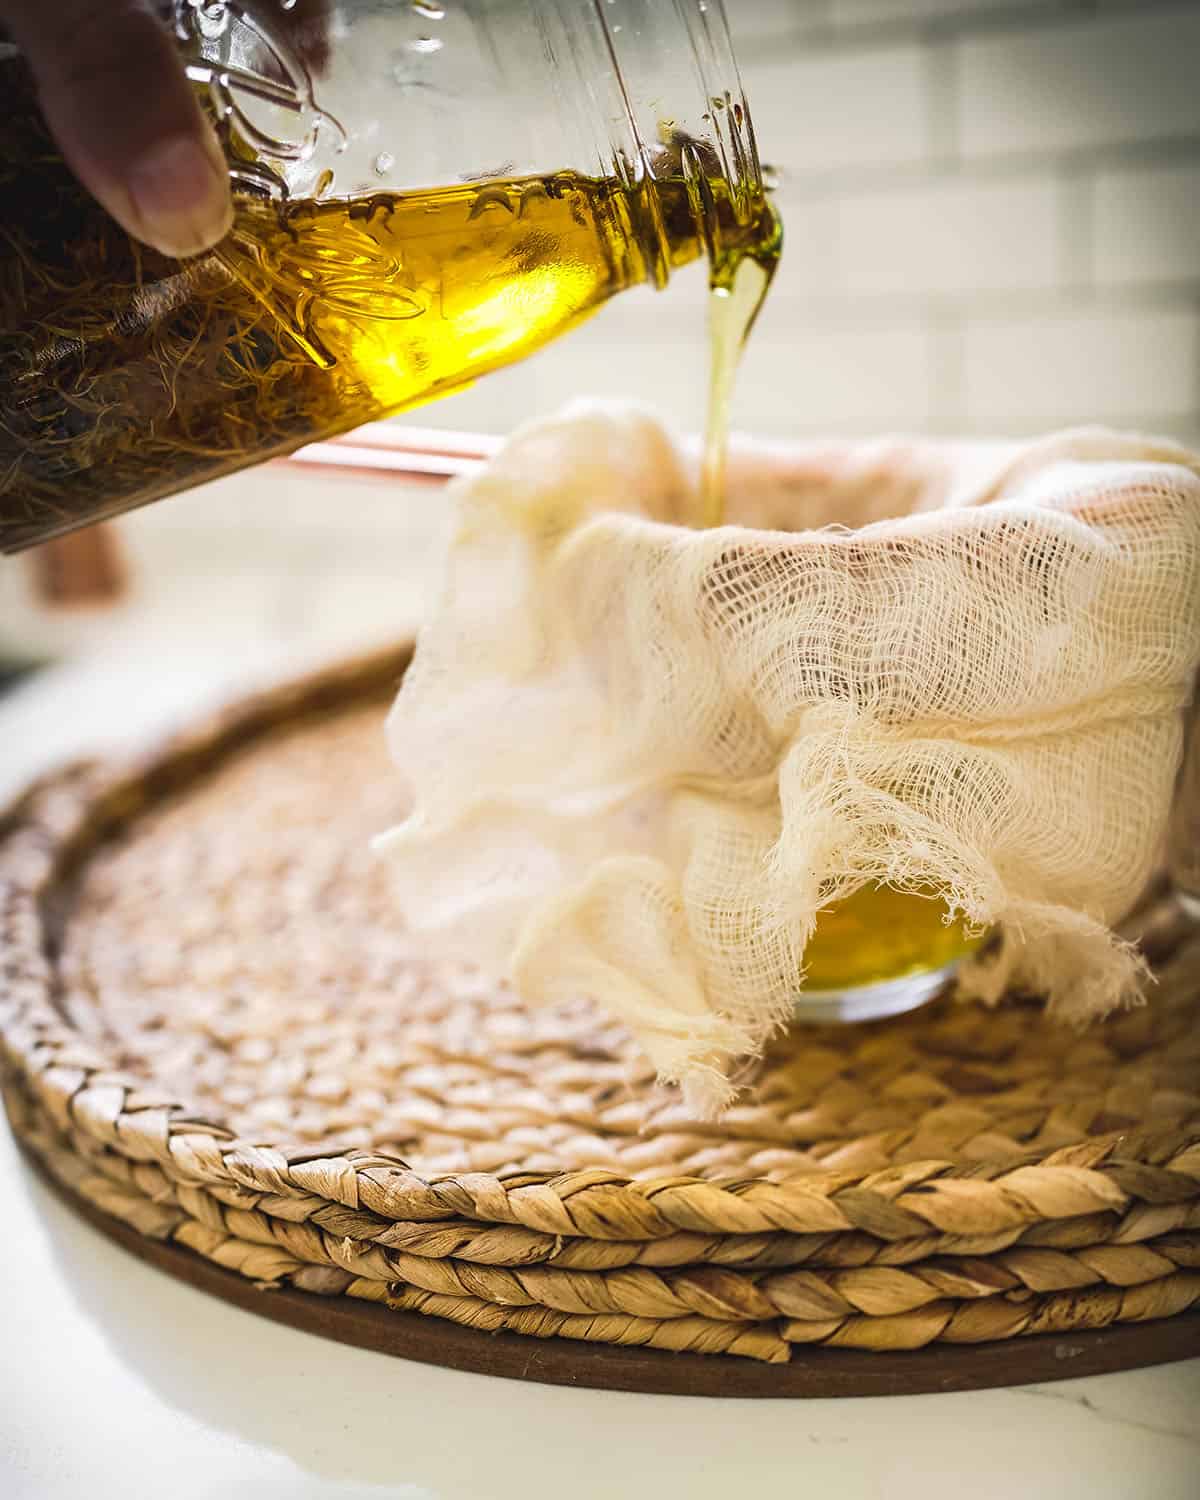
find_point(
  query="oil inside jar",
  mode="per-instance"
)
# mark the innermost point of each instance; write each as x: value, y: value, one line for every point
x: 879, y: 934
x: 125, y: 376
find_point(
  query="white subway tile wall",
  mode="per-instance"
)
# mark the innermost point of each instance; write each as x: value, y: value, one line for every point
x: 1146, y: 224
x: 1089, y: 83
x: 950, y: 238
x: 851, y: 11
x: 820, y: 111
x: 993, y: 225
x: 1025, y: 371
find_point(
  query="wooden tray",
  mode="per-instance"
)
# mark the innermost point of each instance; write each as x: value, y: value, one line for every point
x: 218, y: 1041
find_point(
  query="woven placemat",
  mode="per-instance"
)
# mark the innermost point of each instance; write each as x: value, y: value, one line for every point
x: 216, y: 1031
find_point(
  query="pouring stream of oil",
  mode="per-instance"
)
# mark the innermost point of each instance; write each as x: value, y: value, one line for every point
x: 878, y: 934
x: 733, y: 305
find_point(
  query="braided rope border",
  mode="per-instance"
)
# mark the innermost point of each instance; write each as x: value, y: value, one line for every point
x: 696, y: 1308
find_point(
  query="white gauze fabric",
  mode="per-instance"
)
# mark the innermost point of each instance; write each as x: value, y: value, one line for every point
x: 642, y: 758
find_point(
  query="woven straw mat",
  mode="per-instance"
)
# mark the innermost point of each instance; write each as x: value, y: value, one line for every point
x: 215, y: 1028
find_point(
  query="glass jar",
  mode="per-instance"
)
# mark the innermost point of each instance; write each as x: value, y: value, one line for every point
x: 425, y: 192
x: 880, y: 952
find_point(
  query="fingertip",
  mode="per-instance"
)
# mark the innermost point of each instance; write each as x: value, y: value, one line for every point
x: 119, y: 104
x: 177, y: 196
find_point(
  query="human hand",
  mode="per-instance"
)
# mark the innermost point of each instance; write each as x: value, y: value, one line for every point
x: 115, y: 96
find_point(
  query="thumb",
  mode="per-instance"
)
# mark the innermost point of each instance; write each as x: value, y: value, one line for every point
x: 119, y: 105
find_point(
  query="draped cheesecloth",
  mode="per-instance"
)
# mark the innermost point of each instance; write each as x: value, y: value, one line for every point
x: 642, y: 758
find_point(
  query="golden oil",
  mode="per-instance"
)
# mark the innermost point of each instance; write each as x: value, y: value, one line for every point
x: 880, y: 934
x: 125, y: 376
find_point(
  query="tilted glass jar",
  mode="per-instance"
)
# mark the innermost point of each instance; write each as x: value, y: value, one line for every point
x: 425, y: 192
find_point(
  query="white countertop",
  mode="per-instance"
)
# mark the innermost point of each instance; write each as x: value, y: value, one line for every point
x: 120, y: 1383
x: 117, y: 1381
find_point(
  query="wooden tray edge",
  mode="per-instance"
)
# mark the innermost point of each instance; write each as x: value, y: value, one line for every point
x: 815, y: 1373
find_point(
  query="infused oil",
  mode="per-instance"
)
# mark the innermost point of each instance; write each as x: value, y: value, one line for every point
x: 879, y: 934
x: 125, y: 376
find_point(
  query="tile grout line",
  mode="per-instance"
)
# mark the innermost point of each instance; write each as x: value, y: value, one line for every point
x: 826, y: 33
x: 821, y: 183
x: 943, y: 106
x: 1076, y: 228
x: 948, y: 405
